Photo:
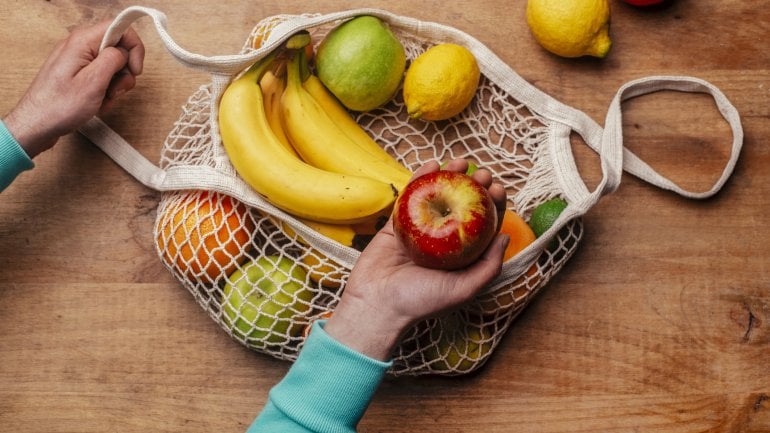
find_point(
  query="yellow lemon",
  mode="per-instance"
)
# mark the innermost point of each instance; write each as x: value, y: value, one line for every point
x: 571, y: 28
x: 441, y: 82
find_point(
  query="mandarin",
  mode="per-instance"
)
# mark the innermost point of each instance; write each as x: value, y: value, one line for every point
x: 509, y: 296
x: 204, y: 235
x: 518, y: 230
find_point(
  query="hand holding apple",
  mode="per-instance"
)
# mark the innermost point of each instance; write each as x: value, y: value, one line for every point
x: 387, y: 292
x: 445, y: 220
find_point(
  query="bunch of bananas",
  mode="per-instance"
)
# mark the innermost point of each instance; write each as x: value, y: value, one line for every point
x: 290, y: 139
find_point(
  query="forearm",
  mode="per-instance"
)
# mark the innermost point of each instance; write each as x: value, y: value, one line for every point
x: 327, y: 389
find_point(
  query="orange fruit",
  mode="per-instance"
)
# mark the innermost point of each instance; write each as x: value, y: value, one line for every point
x: 518, y: 230
x: 521, y: 235
x: 204, y: 235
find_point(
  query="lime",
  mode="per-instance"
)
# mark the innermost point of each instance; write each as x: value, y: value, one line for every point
x: 472, y: 167
x: 546, y: 214
x: 571, y: 28
x: 361, y: 62
x: 441, y: 82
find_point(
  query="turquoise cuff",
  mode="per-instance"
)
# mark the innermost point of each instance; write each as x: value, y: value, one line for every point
x: 13, y: 159
x: 327, y: 389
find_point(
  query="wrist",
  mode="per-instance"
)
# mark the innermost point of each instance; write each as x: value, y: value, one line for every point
x: 366, y: 328
x: 30, y: 137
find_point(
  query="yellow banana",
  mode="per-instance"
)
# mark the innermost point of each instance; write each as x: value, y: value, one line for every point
x: 346, y: 123
x: 272, y: 89
x: 346, y: 234
x: 320, y: 268
x: 322, y: 143
x: 355, y: 235
x: 286, y: 181
x: 342, y: 233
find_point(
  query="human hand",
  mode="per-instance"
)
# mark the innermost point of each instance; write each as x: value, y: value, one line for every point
x: 386, y: 292
x: 74, y: 84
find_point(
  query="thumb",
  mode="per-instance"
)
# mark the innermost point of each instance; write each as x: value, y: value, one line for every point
x: 489, y: 264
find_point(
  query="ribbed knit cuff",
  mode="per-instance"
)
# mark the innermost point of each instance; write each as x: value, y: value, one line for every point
x: 330, y: 385
x: 13, y: 159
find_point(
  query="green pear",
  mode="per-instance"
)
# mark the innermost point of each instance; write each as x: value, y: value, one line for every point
x: 361, y: 62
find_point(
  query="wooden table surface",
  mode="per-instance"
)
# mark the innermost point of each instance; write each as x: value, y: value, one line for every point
x: 659, y: 323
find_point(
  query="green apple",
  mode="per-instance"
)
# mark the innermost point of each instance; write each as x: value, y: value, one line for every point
x: 263, y: 299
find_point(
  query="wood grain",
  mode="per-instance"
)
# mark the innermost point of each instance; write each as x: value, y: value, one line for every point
x: 659, y: 323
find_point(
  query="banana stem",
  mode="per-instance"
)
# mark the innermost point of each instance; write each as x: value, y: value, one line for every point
x: 258, y: 69
x: 304, y: 69
x: 293, y: 74
x: 298, y: 41
x: 297, y: 70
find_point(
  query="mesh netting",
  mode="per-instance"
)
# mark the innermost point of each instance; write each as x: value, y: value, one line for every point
x: 265, y: 283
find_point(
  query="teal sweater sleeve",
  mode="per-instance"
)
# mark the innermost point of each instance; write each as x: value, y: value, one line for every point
x: 327, y: 390
x: 13, y: 159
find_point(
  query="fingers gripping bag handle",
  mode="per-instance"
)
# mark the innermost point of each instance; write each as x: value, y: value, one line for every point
x: 121, y: 151
x: 149, y: 174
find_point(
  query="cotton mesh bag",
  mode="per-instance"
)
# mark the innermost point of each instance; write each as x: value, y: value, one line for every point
x: 265, y: 276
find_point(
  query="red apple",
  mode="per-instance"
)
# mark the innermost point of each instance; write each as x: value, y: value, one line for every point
x: 445, y: 220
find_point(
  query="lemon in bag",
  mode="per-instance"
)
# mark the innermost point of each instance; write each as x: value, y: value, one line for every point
x: 441, y: 82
